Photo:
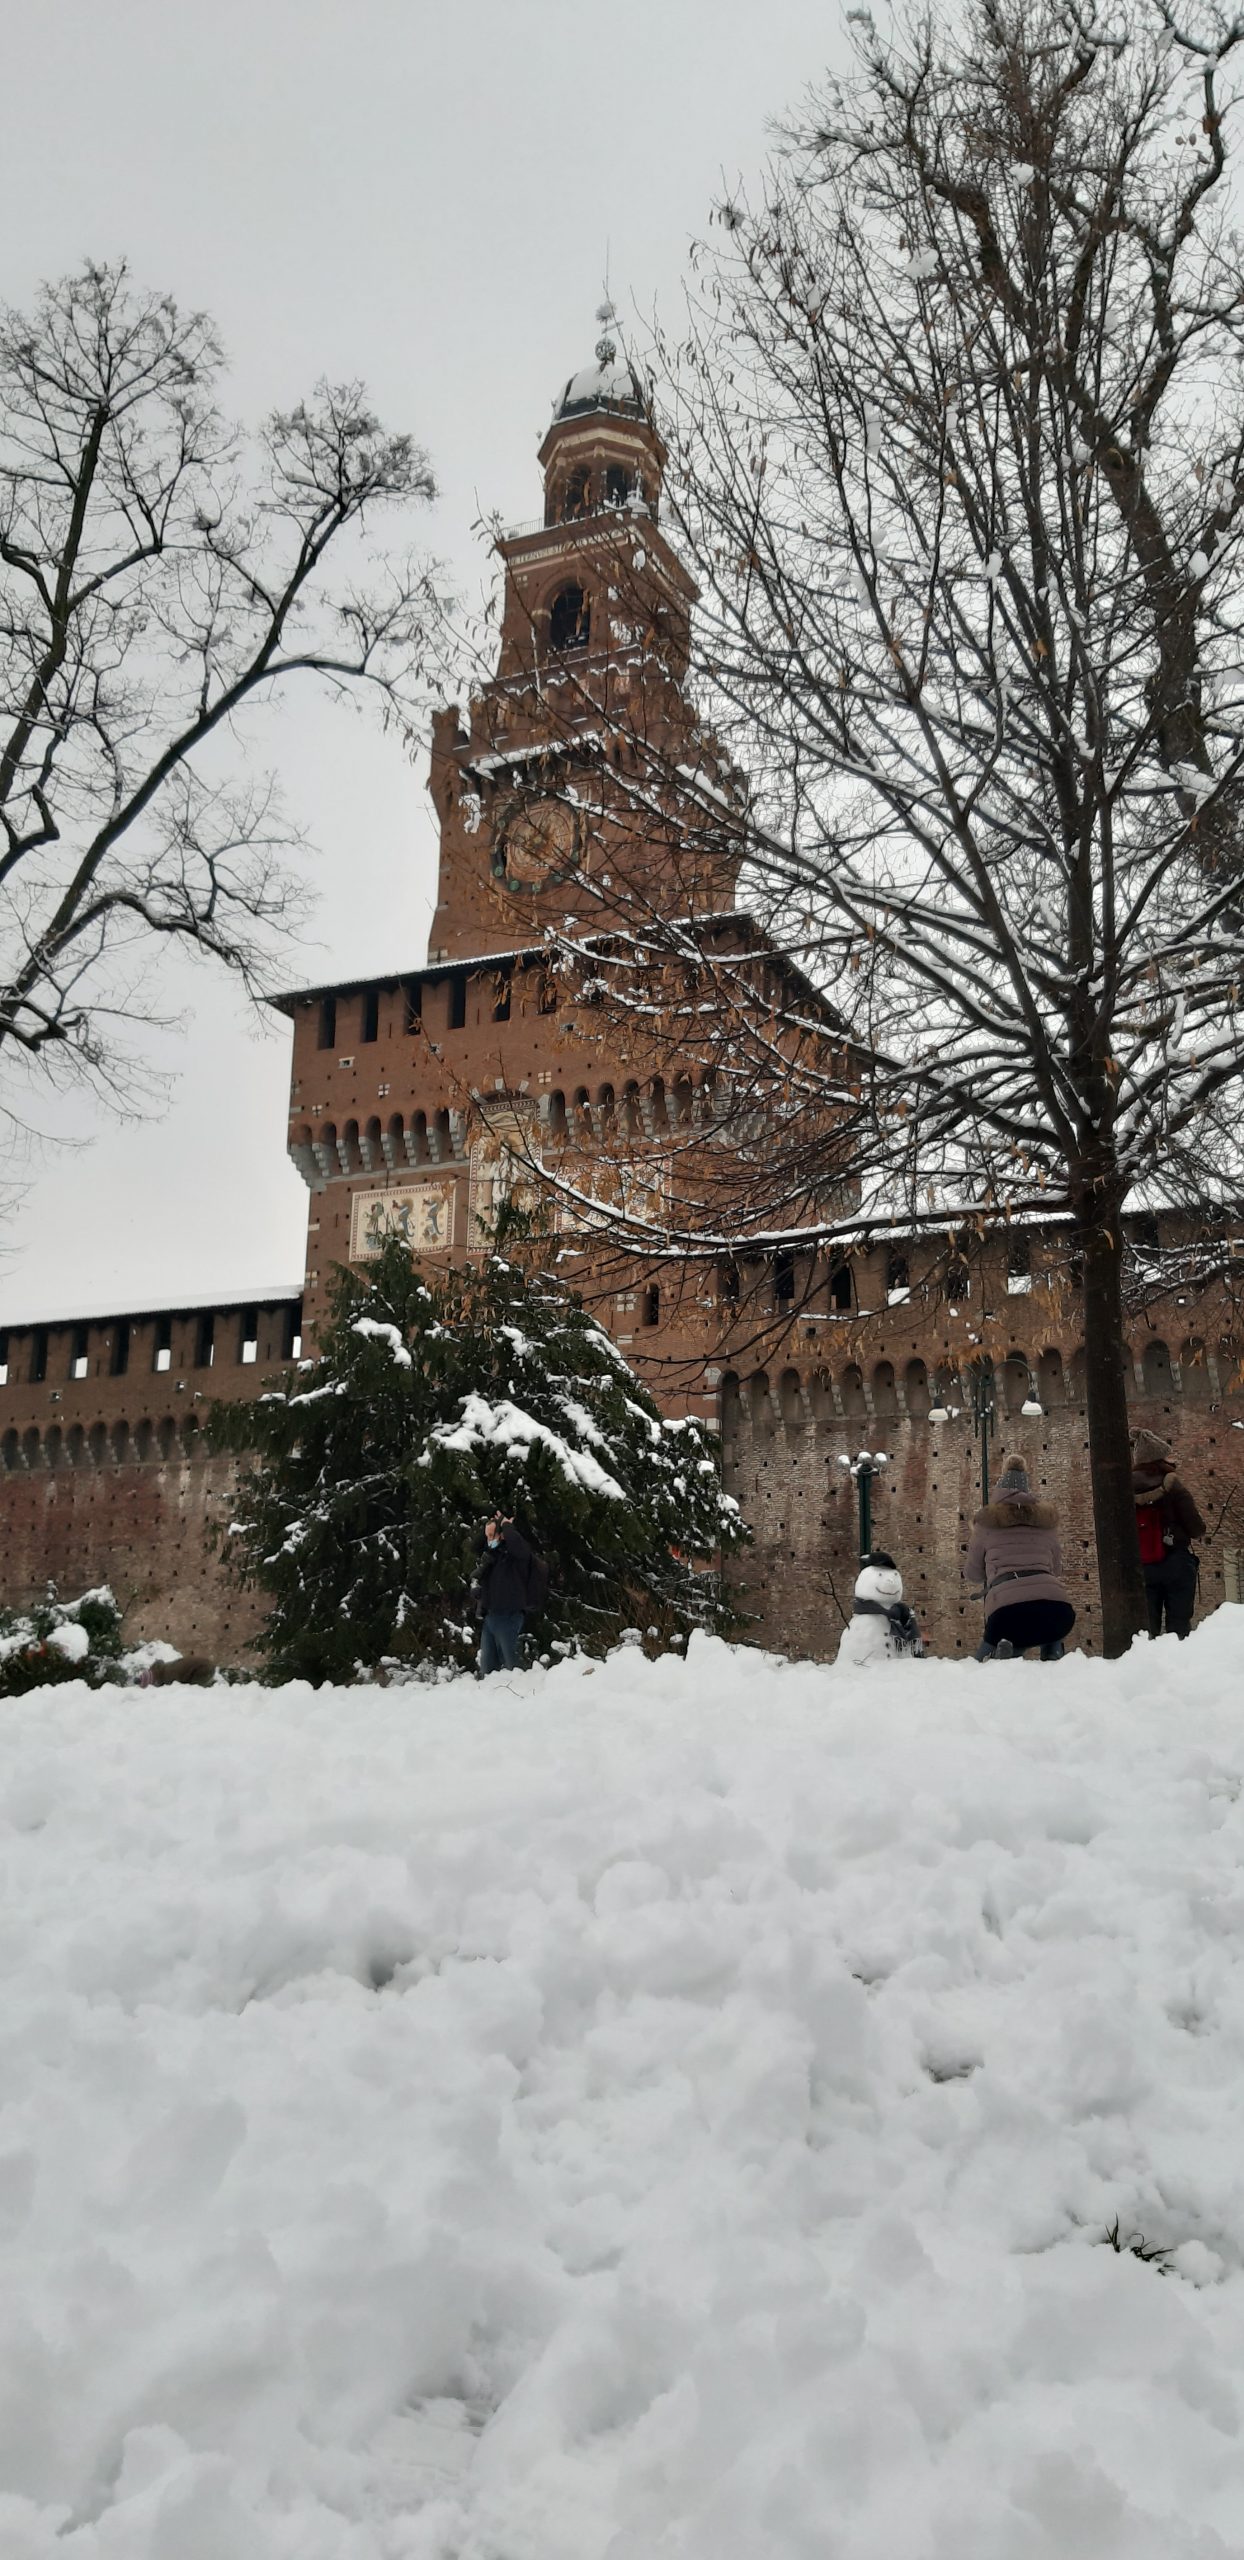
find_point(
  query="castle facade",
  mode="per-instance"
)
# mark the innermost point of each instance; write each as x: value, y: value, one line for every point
x: 420, y: 1096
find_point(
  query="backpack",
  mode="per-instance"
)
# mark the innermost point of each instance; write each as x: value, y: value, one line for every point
x: 537, y: 1584
x: 1149, y: 1527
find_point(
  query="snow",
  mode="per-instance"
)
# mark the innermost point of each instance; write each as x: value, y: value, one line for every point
x: 629, y: 2112
x: 374, y: 1331
x: 505, y: 1425
x: 70, y: 1639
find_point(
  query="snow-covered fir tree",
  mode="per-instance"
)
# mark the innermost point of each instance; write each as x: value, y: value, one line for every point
x: 435, y: 1401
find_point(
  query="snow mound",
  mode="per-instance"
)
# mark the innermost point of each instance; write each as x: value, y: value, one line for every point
x: 638, y: 2111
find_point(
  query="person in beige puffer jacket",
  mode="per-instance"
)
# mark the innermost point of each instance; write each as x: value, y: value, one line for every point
x: 1014, y: 1551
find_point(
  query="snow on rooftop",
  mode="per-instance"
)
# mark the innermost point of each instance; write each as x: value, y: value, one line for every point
x: 173, y: 1303
x: 633, y: 2109
x: 608, y: 381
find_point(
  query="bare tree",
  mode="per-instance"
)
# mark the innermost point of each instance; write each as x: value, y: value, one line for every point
x: 150, y: 588
x: 957, y: 435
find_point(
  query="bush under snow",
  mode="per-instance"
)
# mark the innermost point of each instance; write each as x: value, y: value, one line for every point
x: 647, y: 2111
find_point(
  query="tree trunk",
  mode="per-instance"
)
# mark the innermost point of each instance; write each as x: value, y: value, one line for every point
x: 1100, y: 1238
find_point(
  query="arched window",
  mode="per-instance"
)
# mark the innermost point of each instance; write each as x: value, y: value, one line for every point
x: 617, y: 485
x: 885, y: 1392
x: 916, y: 1387
x: 570, y: 619
x: 578, y: 497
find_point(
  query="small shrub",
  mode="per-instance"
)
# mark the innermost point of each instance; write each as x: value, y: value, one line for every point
x: 56, y: 1640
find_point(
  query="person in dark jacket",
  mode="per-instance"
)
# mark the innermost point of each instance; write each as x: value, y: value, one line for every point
x: 1167, y: 1521
x: 500, y: 1593
x: 1015, y: 1552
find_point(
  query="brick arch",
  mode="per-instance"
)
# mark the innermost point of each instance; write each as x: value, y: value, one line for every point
x: 916, y: 1388
x: 851, y: 1390
x: 1155, y: 1363
x: 821, y: 1397
x: 790, y: 1400
x: 885, y: 1388
x: 1050, y: 1379
x: 1194, y: 1371
x: 759, y: 1400
x: 32, y: 1447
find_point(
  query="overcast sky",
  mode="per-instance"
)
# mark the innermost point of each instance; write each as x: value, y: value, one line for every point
x: 419, y: 192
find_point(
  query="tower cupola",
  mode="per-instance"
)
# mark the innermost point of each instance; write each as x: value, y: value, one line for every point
x: 601, y: 451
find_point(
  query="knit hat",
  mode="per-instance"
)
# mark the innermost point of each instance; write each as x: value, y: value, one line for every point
x: 1149, y: 1450
x: 1014, y: 1477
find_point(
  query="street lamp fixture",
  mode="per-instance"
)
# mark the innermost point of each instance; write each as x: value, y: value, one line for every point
x: 866, y: 1464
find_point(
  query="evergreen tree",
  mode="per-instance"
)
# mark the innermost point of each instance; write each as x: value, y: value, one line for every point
x: 436, y: 1401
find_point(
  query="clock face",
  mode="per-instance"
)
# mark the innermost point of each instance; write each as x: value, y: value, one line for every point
x: 539, y: 843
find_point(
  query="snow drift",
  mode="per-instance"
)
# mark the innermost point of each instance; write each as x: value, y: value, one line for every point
x: 643, y: 2112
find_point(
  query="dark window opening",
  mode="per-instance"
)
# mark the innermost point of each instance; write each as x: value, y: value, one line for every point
x: 327, y: 1035
x: 457, y: 1000
x: 731, y: 1283
x: 578, y: 498
x: 958, y: 1281
x: 414, y: 1004
x: 652, y: 1304
x: 205, y: 1340
x: 784, y: 1277
x: 163, y: 1356
x: 1018, y: 1261
x: 291, y: 1333
x: 617, y: 485
x: 120, y: 1360
x: 4, y: 1359
x: 370, y: 1026
x: 80, y: 1353
x: 570, y: 619
x: 898, y: 1275
x: 501, y: 996
x: 840, y: 1287
x: 250, y: 1336
x: 39, y: 1358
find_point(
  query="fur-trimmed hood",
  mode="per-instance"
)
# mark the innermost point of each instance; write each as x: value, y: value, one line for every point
x: 1021, y: 1511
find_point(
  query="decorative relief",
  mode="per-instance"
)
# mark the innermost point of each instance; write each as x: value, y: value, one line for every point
x: 421, y: 1213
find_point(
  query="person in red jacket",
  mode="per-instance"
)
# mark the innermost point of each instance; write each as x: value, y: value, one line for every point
x: 1015, y: 1552
x: 1167, y: 1521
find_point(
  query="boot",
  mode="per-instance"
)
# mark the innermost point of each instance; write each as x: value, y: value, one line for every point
x: 1053, y: 1652
x: 1004, y: 1651
x: 984, y: 1653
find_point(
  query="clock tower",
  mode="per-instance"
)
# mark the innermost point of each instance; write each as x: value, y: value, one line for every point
x: 559, y: 793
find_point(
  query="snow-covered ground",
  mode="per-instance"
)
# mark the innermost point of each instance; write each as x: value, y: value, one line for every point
x: 642, y: 2111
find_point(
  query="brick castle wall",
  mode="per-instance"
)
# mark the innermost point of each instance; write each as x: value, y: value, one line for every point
x: 796, y: 1581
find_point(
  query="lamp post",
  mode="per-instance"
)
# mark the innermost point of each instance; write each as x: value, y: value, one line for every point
x: 864, y: 1466
x: 983, y: 1411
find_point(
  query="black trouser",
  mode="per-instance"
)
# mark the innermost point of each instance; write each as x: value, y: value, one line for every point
x: 1026, y: 1622
x: 1170, y: 1588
